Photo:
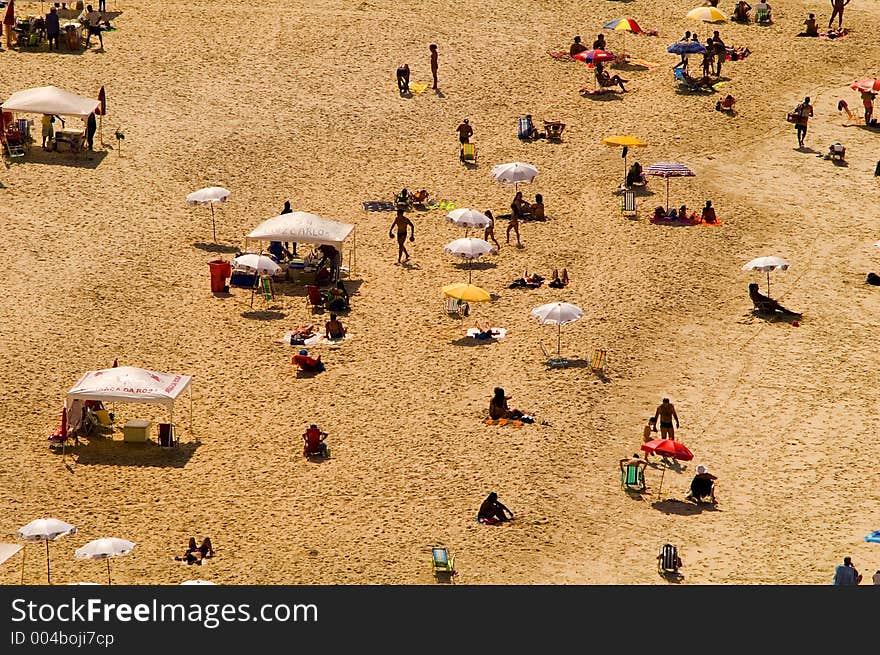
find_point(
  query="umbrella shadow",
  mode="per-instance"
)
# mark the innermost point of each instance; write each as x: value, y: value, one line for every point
x: 679, y: 507
x: 121, y: 453
x: 215, y: 247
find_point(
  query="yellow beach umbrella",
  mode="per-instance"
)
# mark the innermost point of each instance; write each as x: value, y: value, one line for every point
x: 626, y: 142
x: 466, y: 292
x: 707, y: 14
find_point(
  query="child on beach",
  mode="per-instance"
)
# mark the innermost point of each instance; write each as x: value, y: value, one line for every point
x: 648, y: 434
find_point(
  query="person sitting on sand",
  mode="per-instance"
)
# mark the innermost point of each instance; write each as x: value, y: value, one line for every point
x: 605, y: 79
x: 726, y: 103
x: 307, y: 363
x: 532, y: 281
x: 333, y: 328
x: 576, y: 47
x: 702, y: 486
x: 337, y: 300
x: 635, y: 176
x: 704, y: 82
x: 650, y: 432
x: 812, y: 27
x: 537, y: 208
x: 741, y: 12
x: 708, y: 213
x: 299, y: 334
x: 659, y: 213
x: 558, y: 282
x: 766, y: 304
x: 498, y: 409
x: 313, y: 441
x: 493, y: 511
x: 206, y: 549
x: 635, y: 460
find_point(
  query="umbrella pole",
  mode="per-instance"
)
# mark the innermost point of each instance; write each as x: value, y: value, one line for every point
x: 558, y: 338
x: 662, y: 475
x: 667, y: 195
x: 470, y: 271
x: 48, y: 578
x: 768, y: 283
x: 213, y: 224
x: 108, y: 571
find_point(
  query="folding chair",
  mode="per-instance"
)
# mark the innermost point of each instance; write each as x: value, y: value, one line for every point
x: 628, y: 205
x: 266, y: 288
x: 762, y: 14
x: 599, y: 361
x: 632, y: 476
x: 442, y: 563
x: 314, y: 297
x: 456, y: 307
x: 554, y: 361
x: 668, y: 560
x: 468, y: 153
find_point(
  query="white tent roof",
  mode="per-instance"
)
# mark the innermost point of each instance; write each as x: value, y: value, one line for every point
x: 128, y: 384
x: 50, y: 100
x: 301, y: 227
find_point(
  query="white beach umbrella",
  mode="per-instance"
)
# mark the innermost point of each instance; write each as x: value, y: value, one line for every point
x: 258, y: 263
x: 468, y: 248
x: 514, y: 173
x: 766, y: 264
x: 198, y: 582
x: 558, y: 314
x: 208, y: 196
x: 468, y: 218
x: 45, y: 530
x: 105, y: 548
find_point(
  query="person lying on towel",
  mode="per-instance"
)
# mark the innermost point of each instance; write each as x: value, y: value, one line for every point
x: 487, y: 333
x: 307, y: 363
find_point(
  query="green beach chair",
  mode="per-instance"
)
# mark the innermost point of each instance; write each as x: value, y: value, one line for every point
x: 442, y: 563
x: 632, y: 477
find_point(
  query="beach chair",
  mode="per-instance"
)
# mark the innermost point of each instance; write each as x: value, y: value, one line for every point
x: 668, y: 560
x: 456, y: 307
x: 762, y: 14
x: 689, y: 84
x: 553, y: 361
x: 314, y: 297
x: 628, y: 206
x: 442, y: 563
x: 599, y: 361
x: 468, y: 153
x: 632, y: 477
x: 554, y: 130
x: 526, y: 130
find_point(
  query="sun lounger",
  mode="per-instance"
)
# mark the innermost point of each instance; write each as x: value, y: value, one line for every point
x: 378, y: 206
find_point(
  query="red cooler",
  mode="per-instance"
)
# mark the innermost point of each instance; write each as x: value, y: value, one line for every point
x: 220, y: 270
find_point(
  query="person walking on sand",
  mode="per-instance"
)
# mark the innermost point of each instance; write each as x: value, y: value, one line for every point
x: 802, y: 113
x: 433, y: 49
x: 465, y: 131
x: 94, y: 26
x: 402, y: 223
x: 489, y: 233
x: 403, y: 79
x: 837, y: 10
x: 666, y: 413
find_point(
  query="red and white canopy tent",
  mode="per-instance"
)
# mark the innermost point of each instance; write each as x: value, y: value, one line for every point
x: 128, y: 384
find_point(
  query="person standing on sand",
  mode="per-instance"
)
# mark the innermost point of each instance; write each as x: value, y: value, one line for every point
x: 465, y: 131
x: 402, y: 223
x: 288, y: 210
x: 489, y: 233
x: 666, y: 413
x: 649, y: 432
x: 403, y: 79
x: 433, y: 49
x: 837, y: 10
x: 720, y: 52
x: 868, y: 102
x: 803, y: 113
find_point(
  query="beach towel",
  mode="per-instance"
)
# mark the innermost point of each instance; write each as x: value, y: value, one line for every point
x: 378, y: 206
x: 833, y: 36
x: 445, y: 205
x: 560, y: 56
x: 473, y: 332
x: 417, y: 87
x: 504, y: 421
x: 314, y: 340
x: 635, y: 61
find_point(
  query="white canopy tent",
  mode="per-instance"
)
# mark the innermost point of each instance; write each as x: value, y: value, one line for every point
x: 302, y: 227
x: 50, y: 100
x: 128, y: 384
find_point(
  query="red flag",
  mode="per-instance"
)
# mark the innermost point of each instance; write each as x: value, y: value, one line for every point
x: 9, y: 18
x: 102, y: 98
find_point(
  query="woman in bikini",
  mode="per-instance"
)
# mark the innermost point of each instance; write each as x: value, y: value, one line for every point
x: 489, y: 233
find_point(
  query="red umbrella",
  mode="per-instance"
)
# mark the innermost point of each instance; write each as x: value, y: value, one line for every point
x: 667, y: 448
x: 591, y: 57
x: 867, y: 84
x: 9, y: 18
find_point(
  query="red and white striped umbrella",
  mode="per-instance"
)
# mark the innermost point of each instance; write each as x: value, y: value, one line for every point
x: 867, y: 84
x: 668, y: 169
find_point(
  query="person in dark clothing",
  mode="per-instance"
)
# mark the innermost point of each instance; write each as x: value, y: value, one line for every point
x: 288, y: 210
x: 493, y: 510
x: 53, y: 28
x: 91, y: 127
x: 766, y: 304
x: 403, y: 79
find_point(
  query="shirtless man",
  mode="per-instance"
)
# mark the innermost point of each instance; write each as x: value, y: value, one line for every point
x: 433, y: 49
x: 465, y: 131
x: 402, y: 223
x: 837, y: 10
x: 666, y: 413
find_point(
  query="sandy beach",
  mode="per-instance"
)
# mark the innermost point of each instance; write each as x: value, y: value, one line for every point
x: 297, y: 101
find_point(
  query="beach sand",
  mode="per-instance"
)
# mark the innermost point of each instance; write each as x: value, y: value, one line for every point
x: 297, y: 100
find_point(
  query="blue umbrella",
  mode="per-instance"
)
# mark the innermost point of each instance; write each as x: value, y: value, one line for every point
x: 686, y: 48
x: 874, y: 537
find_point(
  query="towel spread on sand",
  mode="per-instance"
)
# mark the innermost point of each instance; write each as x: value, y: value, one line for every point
x: 314, y: 340
x: 447, y: 205
x: 507, y: 421
x: 832, y: 36
x: 417, y: 87
x: 560, y: 56
x: 497, y: 333
x: 693, y: 220
x: 378, y: 206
